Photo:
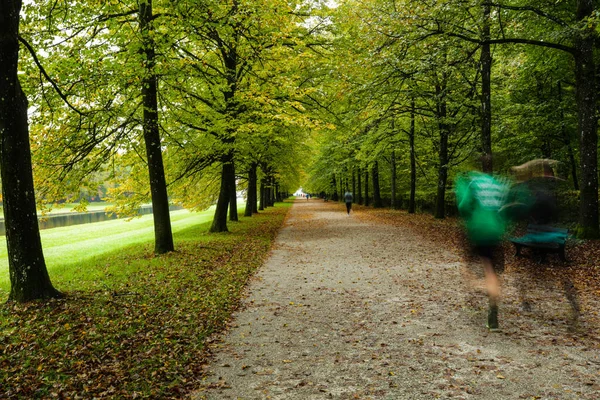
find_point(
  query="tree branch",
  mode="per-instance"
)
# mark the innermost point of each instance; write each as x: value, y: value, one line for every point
x: 568, y: 49
x: 43, y: 71
x: 532, y: 9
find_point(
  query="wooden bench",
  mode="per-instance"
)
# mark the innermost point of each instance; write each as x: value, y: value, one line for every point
x: 543, y: 239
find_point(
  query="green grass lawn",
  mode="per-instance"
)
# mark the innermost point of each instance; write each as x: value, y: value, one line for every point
x: 132, y: 324
x: 66, y: 249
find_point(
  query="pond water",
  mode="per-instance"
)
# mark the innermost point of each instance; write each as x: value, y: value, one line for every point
x: 76, y: 218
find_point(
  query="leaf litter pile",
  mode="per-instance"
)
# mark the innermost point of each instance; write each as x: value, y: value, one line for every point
x: 145, y: 337
x: 536, y: 281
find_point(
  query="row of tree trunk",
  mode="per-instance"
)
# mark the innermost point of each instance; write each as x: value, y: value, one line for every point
x: 358, y: 173
x: 27, y: 268
x: 354, y: 184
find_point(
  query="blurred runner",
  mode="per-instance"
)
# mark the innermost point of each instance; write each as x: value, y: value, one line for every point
x: 479, y: 198
x: 533, y: 199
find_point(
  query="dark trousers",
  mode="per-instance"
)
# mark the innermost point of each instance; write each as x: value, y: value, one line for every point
x: 348, y: 206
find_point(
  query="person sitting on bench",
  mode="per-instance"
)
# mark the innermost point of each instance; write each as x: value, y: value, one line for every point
x: 533, y: 197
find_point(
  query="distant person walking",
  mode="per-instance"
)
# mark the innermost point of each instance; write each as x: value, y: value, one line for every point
x: 348, y: 199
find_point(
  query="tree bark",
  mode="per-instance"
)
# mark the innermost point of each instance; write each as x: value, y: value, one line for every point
x: 588, y: 136
x: 353, y: 185
x: 233, y: 209
x: 367, y: 186
x: 486, y: 94
x: 567, y: 140
x: 573, y: 162
x: 585, y: 84
x: 251, y: 196
x: 255, y: 192
x: 394, y: 181
x: 227, y: 138
x: 273, y: 191
x: 267, y: 202
x: 413, y: 160
x: 261, y: 206
x: 219, y: 223
x: 440, y: 202
x: 267, y: 194
x: 335, y: 189
x: 270, y: 190
x: 359, y: 186
x: 377, y: 203
x: 163, y: 236
x: 27, y: 268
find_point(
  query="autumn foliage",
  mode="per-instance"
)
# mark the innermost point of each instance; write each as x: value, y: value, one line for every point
x: 145, y: 337
x: 537, y: 279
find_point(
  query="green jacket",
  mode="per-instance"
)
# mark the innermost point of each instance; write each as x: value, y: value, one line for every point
x: 479, y: 199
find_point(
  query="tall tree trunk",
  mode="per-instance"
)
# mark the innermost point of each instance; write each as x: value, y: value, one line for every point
x: 163, y: 236
x: 567, y: 139
x: 367, y: 186
x: 273, y: 191
x: 394, y: 181
x: 267, y: 188
x: 440, y: 201
x: 227, y: 195
x: 233, y: 209
x: 413, y: 160
x: 573, y: 162
x: 486, y: 93
x: 359, y: 185
x: 255, y: 193
x: 29, y: 277
x: 335, y: 190
x: 377, y: 203
x: 262, y: 194
x: 347, y: 181
x: 270, y: 192
x: 587, y: 124
x: 353, y: 185
x: 219, y: 223
x: 251, y: 196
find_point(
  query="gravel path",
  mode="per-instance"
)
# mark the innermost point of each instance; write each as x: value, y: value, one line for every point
x: 345, y: 308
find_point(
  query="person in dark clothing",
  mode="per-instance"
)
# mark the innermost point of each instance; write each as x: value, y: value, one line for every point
x: 348, y: 199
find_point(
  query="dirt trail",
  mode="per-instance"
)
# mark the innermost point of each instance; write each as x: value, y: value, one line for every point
x: 345, y: 308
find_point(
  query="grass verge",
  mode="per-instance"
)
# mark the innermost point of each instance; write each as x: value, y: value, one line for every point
x: 67, y: 249
x: 137, y: 326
